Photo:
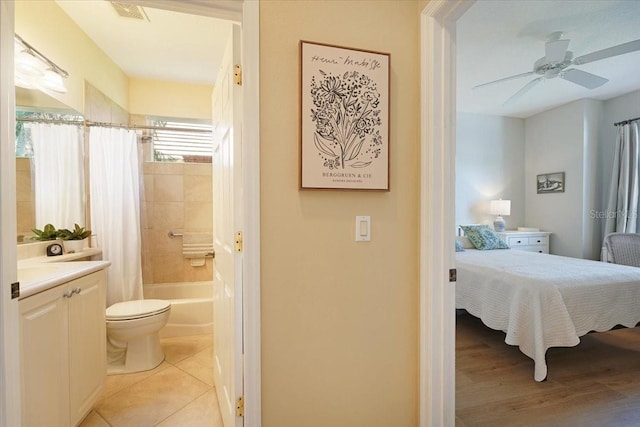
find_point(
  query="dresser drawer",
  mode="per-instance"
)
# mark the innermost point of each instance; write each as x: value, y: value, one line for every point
x: 518, y: 241
x: 527, y: 240
x: 542, y: 240
x: 537, y: 248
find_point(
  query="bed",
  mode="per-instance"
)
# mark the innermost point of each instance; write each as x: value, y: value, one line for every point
x: 542, y: 301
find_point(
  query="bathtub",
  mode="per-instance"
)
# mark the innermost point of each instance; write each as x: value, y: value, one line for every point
x: 191, y: 307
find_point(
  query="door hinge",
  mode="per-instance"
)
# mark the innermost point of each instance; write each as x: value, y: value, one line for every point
x: 239, y: 241
x: 15, y: 290
x: 240, y: 407
x: 237, y: 75
x: 453, y: 275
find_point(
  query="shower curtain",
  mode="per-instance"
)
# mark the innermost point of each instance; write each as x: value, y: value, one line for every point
x: 58, y: 174
x: 622, y: 210
x: 114, y: 164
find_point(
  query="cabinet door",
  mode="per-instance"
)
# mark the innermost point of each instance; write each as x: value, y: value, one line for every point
x: 87, y: 344
x: 44, y: 349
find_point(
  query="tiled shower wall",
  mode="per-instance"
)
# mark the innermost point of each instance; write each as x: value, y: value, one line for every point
x: 178, y: 198
x: 25, y: 199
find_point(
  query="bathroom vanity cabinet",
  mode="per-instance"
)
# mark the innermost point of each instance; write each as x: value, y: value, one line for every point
x: 63, y: 351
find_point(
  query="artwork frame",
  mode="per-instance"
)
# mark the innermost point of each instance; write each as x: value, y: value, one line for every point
x: 344, y: 118
x: 547, y: 183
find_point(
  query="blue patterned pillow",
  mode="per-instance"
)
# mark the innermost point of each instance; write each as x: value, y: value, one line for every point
x: 483, y: 238
x: 459, y: 247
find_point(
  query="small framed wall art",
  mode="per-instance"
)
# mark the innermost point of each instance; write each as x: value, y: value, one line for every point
x: 550, y: 183
x: 344, y: 118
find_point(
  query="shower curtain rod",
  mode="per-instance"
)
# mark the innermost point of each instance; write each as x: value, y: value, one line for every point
x: 52, y: 121
x: 624, y: 122
x: 105, y: 124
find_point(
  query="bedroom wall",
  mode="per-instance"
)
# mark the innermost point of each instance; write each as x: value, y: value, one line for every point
x: 591, y: 241
x: 585, y: 129
x: 564, y: 139
x: 617, y: 109
x: 489, y: 165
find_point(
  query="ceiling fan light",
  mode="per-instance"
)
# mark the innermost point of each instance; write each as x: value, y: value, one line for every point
x: 53, y: 81
x: 28, y: 64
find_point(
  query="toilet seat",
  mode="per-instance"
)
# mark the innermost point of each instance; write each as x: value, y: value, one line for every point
x: 138, y: 309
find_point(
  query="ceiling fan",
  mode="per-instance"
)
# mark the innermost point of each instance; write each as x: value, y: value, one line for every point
x: 556, y: 63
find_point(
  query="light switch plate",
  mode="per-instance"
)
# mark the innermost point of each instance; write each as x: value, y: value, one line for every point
x: 363, y: 228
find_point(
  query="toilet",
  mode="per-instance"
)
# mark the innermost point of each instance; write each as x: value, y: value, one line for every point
x: 133, y: 344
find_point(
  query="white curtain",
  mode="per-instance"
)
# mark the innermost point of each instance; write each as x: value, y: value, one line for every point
x: 114, y: 164
x: 622, y: 210
x: 58, y: 175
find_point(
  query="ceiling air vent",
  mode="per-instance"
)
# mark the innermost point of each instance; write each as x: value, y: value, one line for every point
x: 127, y: 10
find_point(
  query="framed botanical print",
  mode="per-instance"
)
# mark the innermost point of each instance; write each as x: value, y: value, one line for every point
x: 344, y: 118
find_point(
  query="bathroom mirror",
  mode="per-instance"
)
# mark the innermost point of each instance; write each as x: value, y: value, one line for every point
x: 33, y: 101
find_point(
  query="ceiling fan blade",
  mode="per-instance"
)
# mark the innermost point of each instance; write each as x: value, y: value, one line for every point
x: 556, y: 50
x: 526, y: 88
x: 608, y: 52
x: 582, y: 78
x: 517, y: 76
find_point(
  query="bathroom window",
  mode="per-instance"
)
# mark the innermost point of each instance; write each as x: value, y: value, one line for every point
x: 182, y: 141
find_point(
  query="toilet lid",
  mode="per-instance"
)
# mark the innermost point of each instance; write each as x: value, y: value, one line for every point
x: 136, y: 309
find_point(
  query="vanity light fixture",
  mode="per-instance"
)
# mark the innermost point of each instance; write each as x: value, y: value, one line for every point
x: 500, y: 207
x: 34, y: 70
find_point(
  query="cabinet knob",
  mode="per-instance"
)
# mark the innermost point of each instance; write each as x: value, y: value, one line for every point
x: 77, y: 290
x: 68, y: 294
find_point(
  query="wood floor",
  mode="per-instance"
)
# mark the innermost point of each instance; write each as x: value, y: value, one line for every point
x: 596, y: 383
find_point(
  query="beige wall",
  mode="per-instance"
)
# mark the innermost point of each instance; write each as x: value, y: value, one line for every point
x: 339, y: 318
x: 170, y: 99
x: 46, y: 27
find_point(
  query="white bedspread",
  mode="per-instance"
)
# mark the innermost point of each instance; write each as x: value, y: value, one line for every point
x: 544, y: 301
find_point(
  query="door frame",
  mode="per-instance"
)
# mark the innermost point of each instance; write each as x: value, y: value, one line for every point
x: 10, y: 408
x: 437, y: 205
x: 251, y: 211
x: 248, y: 15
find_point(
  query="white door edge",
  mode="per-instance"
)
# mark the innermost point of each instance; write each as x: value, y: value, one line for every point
x: 251, y: 212
x: 10, y: 397
x: 437, y: 205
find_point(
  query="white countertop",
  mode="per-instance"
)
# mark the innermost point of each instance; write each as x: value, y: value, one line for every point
x: 41, y: 273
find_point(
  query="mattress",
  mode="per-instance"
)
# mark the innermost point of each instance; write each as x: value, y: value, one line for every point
x: 542, y: 301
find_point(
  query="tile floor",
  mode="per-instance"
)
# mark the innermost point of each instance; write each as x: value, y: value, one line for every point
x: 179, y: 392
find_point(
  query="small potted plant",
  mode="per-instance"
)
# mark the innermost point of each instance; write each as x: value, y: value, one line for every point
x: 74, y: 240
x: 49, y: 232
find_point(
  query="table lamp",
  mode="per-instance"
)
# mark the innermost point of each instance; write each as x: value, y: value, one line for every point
x: 500, y: 208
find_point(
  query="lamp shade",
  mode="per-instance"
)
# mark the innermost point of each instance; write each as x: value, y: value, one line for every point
x: 500, y: 207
